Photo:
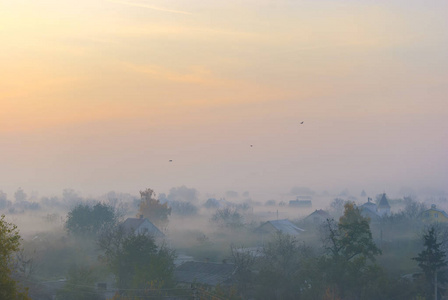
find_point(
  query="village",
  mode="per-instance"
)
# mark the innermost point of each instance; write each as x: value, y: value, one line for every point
x: 222, y: 249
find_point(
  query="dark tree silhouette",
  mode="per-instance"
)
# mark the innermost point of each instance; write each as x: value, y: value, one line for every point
x: 432, y: 258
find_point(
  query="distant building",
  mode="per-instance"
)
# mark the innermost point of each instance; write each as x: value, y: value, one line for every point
x: 141, y: 226
x: 301, y: 201
x: 375, y: 211
x: 383, y: 207
x: 369, y: 205
x: 369, y: 210
x: 318, y: 216
x: 279, y: 226
x: 371, y: 214
x: 435, y: 215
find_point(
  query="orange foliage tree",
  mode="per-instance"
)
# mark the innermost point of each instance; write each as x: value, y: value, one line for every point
x: 151, y: 208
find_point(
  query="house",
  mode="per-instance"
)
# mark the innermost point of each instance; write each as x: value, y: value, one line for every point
x: 141, y: 226
x: 319, y: 216
x: 279, y: 226
x: 207, y: 273
x: 369, y: 205
x: 435, y: 215
x: 369, y: 210
x: 369, y: 213
x: 373, y: 211
x: 383, y: 207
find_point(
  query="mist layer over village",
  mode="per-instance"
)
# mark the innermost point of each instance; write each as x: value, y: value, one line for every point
x: 185, y: 245
x: 223, y: 149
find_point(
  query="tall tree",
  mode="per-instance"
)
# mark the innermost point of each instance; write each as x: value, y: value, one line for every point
x: 244, y: 261
x: 152, y: 209
x: 282, y: 273
x: 9, y: 244
x: 136, y: 260
x: 351, y: 237
x: 432, y: 258
x: 349, y: 246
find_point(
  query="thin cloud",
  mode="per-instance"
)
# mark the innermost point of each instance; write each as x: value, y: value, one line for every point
x: 151, y: 7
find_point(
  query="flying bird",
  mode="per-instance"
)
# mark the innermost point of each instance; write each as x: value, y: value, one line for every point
x: 170, y: 160
x: 251, y: 145
x: 301, y: 122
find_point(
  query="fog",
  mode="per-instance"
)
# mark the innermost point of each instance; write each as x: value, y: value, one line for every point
x: 235, y: 114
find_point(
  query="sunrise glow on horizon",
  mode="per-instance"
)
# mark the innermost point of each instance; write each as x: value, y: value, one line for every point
x: 99, y: 95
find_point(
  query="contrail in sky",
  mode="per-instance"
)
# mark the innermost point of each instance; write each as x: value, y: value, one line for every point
x: 150, y: 7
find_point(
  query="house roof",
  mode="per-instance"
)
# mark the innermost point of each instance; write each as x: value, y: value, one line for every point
x: 433, y: 207
x: 132, y: 224
x: 369, y: 205
x: 383, y: 202
x: 284, y: 226
x: 321, y: 213
x: 204, y: 272
x: 369, y: 213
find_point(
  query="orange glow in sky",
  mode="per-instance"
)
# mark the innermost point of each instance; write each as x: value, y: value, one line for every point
x: 98, y: 95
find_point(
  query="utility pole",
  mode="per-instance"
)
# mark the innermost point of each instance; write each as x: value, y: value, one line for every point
x: 435, y: 285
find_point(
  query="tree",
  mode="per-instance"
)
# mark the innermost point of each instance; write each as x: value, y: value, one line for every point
x: 349, y: 246
x: 351, y: 237
x: 136, y: 260
x: 227, y: 217
x: 9, y: 244
x: 413, y: 209
x: 244, y: 261
x: 183, y: 208
x: 183, y: 193
x: 152, y: 209
x: 84, y: 219
x: 211, y: 203
x: 337, y: 207
x: 283, y: 274
x: 4, y: 200
x: 432, y: 258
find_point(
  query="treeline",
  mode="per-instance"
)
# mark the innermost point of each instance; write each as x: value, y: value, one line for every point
x: 348, y: 257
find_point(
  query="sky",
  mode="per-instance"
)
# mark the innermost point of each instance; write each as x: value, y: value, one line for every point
x: 100, y: 95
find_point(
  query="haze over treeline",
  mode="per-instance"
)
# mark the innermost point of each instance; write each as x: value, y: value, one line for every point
x: 214, y: 124
x: 360, y: 245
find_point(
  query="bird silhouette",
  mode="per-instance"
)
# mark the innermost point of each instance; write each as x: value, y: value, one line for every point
x: 170, y: 160
x: 301, y: 122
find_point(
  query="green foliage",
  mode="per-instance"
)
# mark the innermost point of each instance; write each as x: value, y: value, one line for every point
x: 351, y: 237
x: 136, y: 260
x: 244, y: 261
x: 432, y: 258
x: 9, y: 245
x: 349, y: 246
x: 80, y: 285
x: 87, y: 220
x: 152, y: 209
x: 281, y: 274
